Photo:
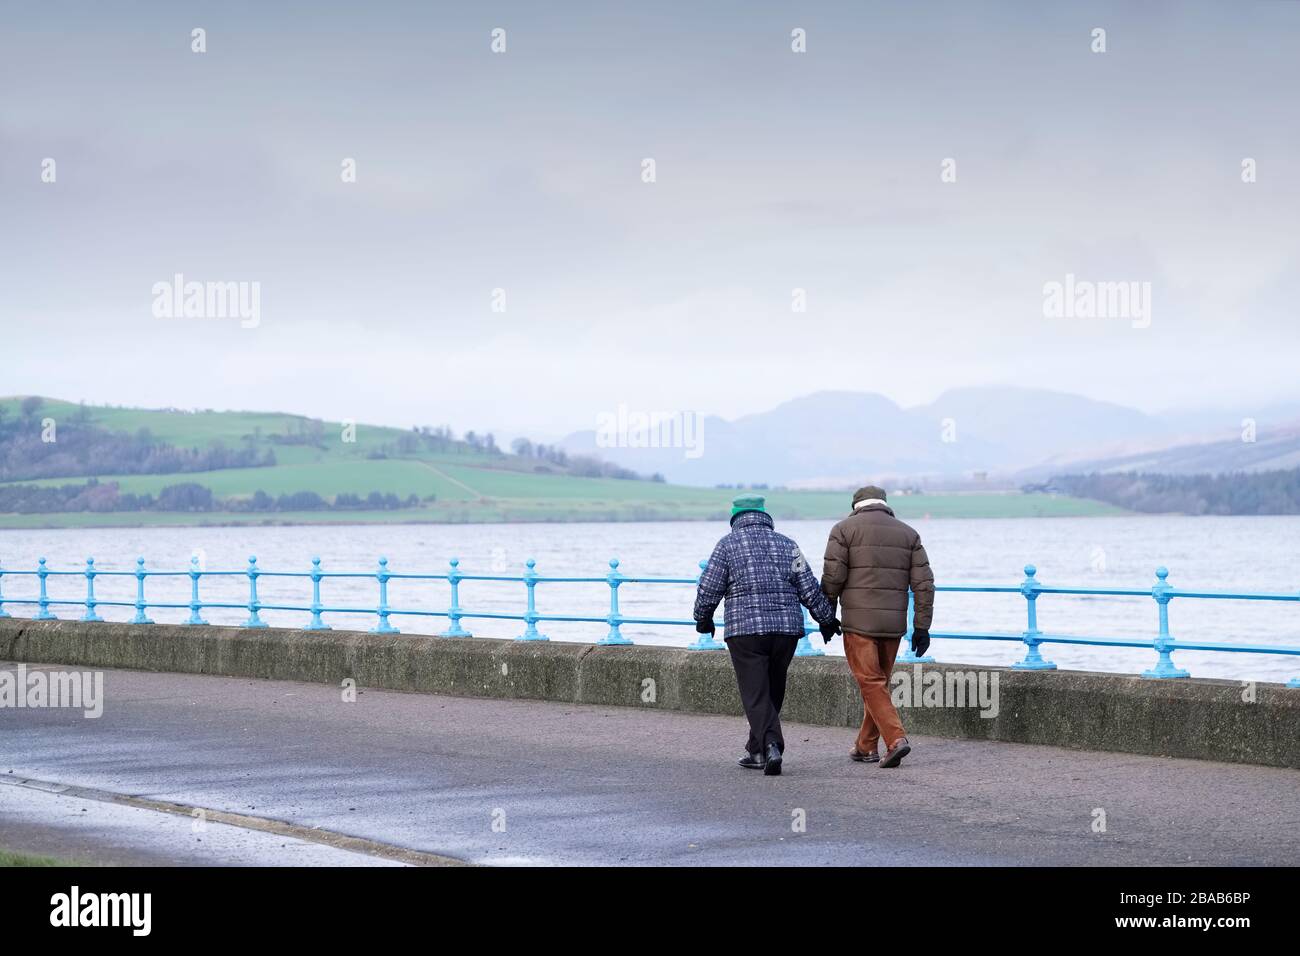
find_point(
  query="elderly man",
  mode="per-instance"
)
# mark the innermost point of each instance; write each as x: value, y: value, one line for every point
x: 764, y: 579
x: 872, y: 561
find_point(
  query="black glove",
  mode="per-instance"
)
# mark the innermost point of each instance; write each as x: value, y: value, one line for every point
x: 920, y: 641
x: 830, y: 629
x: 705, y: 627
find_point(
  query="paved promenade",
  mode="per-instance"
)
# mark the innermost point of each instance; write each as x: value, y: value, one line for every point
x: 509, y: 782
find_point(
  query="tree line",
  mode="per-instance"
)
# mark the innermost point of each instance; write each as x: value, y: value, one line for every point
x: 1239, y: 493
x: 186, y: 496
x: 73, y: 448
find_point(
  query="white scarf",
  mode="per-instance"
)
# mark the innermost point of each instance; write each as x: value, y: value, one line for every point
x: 868, y: 501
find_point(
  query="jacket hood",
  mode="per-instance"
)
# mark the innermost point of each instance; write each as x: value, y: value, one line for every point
x: 750, y: 519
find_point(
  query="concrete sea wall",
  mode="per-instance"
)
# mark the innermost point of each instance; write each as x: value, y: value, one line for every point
x: 1196, y: 718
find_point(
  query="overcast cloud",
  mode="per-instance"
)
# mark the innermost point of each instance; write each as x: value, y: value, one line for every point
x: 523, y: 171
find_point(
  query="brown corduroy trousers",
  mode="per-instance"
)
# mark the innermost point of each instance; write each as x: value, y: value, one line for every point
x: 871, y: 660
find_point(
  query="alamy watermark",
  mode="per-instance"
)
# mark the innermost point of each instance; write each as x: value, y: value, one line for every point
x: 77, y: 690
x: 946, y: 688
x: 1085, y: 299
x: 178, y: 299
x: 624, y: 428
x: 130, y: 910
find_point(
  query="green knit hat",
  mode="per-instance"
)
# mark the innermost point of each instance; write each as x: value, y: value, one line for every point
x: 743, y: 503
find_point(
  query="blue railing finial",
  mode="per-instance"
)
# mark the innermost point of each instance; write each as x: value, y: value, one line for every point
x: 531, y: 616
x: 909, y: 656
x: 706, y: 642
x: 196, y: 604
x: 382, y: 576
x: 140, y: 605
x: 43, y: 603
x: 1033, y: 659
x: 316, y: 624
x: 1164, y: 642
x: 615, y: 619
x: 454, y: 613
x: 254, y: 605
x: 90, y: 614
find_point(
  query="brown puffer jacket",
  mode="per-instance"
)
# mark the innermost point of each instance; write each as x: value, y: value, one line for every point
x: 872, y: 559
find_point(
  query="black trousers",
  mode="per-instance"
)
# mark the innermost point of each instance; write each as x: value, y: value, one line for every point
x: 761, y: 662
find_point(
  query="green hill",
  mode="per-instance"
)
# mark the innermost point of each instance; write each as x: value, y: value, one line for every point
x: 426, y: 474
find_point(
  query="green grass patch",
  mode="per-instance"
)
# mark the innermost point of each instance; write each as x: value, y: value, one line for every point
x: 10, y: 858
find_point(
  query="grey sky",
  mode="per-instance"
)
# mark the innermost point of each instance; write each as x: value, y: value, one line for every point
x: 522, y: 171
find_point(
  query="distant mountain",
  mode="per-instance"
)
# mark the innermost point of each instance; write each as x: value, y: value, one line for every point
x: 982, y: 434
x: 1272, y: 449
x: 1211, y: 424
x: 829, y: 435
x: 1026, y: 425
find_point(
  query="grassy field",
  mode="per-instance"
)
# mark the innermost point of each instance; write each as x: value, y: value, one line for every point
x: 467, y: 485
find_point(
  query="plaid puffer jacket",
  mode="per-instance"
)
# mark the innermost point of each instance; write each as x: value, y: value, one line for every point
x: 764, y: 578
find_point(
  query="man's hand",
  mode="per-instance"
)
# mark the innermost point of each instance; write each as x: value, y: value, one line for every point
x: 705, y: 627
x: 920, y: 641
x: 830, y: 629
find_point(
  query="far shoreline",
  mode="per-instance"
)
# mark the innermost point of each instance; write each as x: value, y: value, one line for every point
x: 353, y: 521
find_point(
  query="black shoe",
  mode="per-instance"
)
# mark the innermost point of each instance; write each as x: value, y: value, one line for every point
x: 895, y: 756
x: 752, y: 761
x: 772, y: 768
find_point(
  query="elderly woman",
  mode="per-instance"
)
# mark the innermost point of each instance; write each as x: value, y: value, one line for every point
x: 764, y: 579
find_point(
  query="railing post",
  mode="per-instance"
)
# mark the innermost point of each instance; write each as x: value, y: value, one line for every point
x: 454, y: 613
x: 530, y: 617
x: 705, y: 642
x: 195, y: 604
x: 90, y: 614
x: 383, y: 627
x: 43, y: 603
x: 315, y: 624
x: 1033, y: 661
x: 3, y: 612
x: 1164, y: 643
x: 254, y: 605
x: 805, y: 647
x: 140, y: 574
x: 615, y: 635
x: 909, y: 656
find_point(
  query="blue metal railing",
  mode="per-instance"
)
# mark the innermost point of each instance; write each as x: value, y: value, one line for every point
x: 1030, y: 589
